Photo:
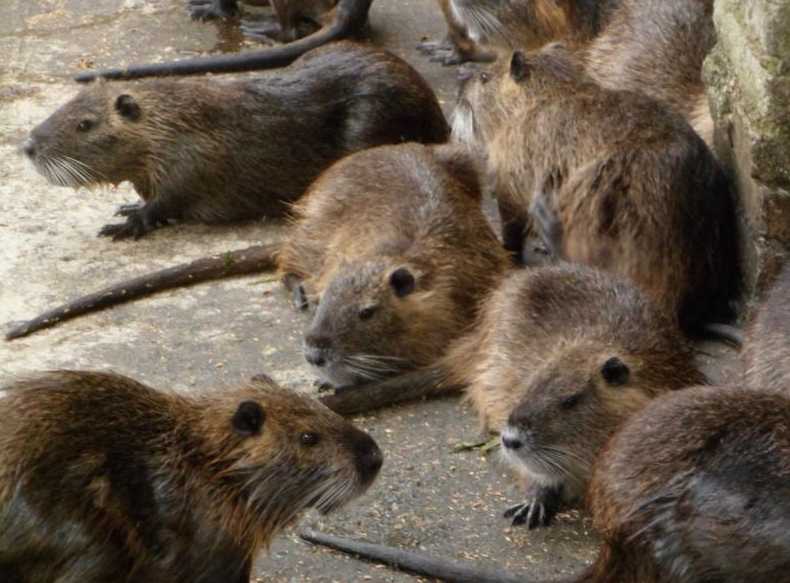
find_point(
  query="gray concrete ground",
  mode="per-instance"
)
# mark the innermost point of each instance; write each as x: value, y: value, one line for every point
x: 427, y: 497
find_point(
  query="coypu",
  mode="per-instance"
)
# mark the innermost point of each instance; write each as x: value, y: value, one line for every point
x: 105, y: 479
x: 559, y: 358
x: 767, y: 350
x: 693, y: 488
x: 610, y: 178
x: 288, y: 16
x: 657, y: 47
x: 350, y: 19
x: 217, y: 152
x: 476, y: 29
x: 393, y: 241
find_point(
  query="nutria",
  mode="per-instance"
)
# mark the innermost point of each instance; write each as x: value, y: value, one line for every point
x: 105, y: 479
x: 693, y: 488
x: 350, y: 19
x: 394, y: 243
x: 476, y: 30
x: 767, y: 347
x: 559, y: 358
x: 657, y: 47
x: 216, y: 151
x: 611, y: 178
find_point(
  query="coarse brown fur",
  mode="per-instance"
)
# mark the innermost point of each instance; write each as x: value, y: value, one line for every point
x: 217, y: 151
x: 766, y: 351
x: 393, y: 243
x: 477, y: 29
x: 610, y: 178
x: 694, y: 488
x: 105, y: 479
x: 657, y: 47
x: 559, y: 358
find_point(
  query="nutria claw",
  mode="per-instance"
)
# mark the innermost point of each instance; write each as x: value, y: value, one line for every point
x: 126, y: 210
x: 538, y: 510
x: 208, y: 10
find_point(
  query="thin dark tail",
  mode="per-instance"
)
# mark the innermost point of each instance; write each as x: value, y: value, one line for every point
x: 411, y: 386
x: 250, y: 260
x: 413, y: 562
x: 350, y: 18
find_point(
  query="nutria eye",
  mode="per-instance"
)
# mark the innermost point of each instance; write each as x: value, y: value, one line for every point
x: 309, y: 438
x: 485, y: 78
x: 85, y: 125
x: 367, y: 313
x: 570, y: 402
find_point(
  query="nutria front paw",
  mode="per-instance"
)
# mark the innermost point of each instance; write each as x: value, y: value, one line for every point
x: 443, y: 52
x: 537, y: 511
x: 269, y: 32
x: 125, y: 210
x: 135, y: 227
x: 208, y: 10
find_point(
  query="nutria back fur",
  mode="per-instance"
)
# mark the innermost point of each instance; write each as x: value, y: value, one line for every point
x: 393, y: 245
x: 566, y: 354
x: 105, y: 479
x: 767, y: 347
x: 617, y: 180
x: 218, y: 151
x: 657, y: 47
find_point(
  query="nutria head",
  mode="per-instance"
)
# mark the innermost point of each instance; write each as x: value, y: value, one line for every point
x: 378, y: 318
x: 491, y: 95
x: 91, y: 139
x: 570, y: 408
x: 288, y: 452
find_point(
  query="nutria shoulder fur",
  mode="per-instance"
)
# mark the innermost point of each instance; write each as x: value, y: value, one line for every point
x: 477, y: 30
x: 693, y: 488
x: 767, y: 346
x: 610, y: 178
x: 105, y: 479
x: 393, y: 244
x: 559, y: 358
x: 216, y: 151
x: 348, y: 19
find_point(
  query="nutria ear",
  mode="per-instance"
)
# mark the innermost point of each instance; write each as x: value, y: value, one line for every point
x: 127, y: 107
x: 615, y: 372
x: 519, y: 67
x: 248, y: 418
x: 402, y: 281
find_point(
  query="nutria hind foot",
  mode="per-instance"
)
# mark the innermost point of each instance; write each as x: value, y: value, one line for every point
x: 539, y: 509
x: 212, y: 9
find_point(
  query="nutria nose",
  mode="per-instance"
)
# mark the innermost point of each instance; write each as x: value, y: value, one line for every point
x: 29, y: 147
x: 367, y: 455
x: 314, y: 356
x: 512, y: 442
x: 315, y: 349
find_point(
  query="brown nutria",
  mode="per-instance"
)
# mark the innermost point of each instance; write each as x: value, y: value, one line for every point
x: 657, y: 47
x: 350, y: 19
x: 476, y: 29
x: 610, y: 178
x: 559, y: 358
x: 216, y: 152
x: 105, y: 479
x: 693, y: 488
x: 391, y: 240
x: 288, y: 16
x: 767, y: 348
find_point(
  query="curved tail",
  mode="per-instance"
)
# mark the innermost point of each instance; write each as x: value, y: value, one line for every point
x: 422, y: 383
x: 411, y: 561
x: 250, y: 260
x: 350, y: 17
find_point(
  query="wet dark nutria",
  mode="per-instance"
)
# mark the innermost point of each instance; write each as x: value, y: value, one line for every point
x: 350, y: 19
x: 391, y: 243
x: 767, y: 348
x: 559, y: 359
x: 693, y: 488
x: 216, y: 151
x: 105, y: 479
x: 657, y: 47
x: 610, y: 178
x: 477, y: 29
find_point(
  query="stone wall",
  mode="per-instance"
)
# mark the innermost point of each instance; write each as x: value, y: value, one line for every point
x: 748, y: 78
